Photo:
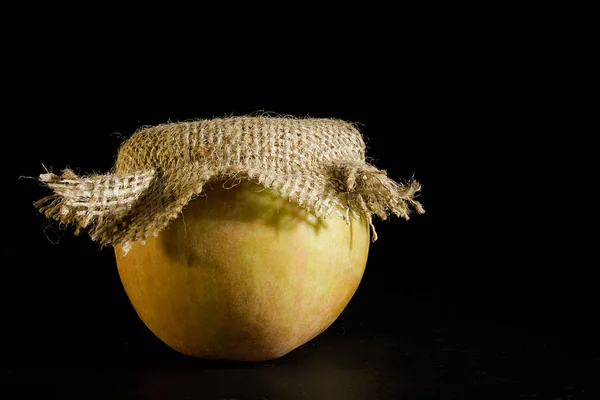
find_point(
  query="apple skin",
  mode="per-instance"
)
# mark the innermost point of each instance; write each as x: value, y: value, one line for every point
x: 244, y: 274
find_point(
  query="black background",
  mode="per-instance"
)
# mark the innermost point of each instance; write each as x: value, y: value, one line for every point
x: 485, y: 296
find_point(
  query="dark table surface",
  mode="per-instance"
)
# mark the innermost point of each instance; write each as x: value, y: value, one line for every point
x: 478, y: 360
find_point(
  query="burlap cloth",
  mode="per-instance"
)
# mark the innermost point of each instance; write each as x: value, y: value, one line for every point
x: 317, y: 163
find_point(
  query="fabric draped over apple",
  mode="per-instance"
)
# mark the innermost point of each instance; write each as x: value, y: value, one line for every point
x: 317, y: 163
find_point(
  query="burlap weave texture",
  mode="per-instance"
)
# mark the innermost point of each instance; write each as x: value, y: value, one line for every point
x: 317, y: 163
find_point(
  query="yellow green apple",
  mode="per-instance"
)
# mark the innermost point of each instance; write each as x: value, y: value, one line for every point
x: 244, y: 274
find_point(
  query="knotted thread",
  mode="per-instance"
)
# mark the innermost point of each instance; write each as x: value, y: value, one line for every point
x: 317, y: 163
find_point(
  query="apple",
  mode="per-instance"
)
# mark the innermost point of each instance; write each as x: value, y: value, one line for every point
x: 244, y: 274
